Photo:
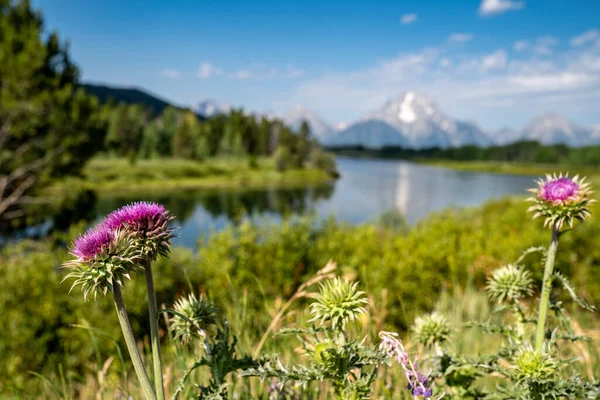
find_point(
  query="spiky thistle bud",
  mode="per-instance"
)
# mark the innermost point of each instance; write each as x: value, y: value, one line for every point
x: 535, y: 367
x: 104, y: 257
x: 338, y: 302
x: 560, y: 200
x: 148, y: 225
x: 430, y: 330
x: 200, y: 315
x: 510, y: 282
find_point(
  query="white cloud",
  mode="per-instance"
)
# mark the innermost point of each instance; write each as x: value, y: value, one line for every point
x: 445, y: 62
x: 493, y: 61
x: 493, y: 7
x: 466, y: 86
x: 521, y: 45
x: 543, y: 45
x: 208, y: 70
x: 408, y: 18
x: 586, y: 37
x: 264, y: 72
x: 170, y: 73
x: 460, y: 37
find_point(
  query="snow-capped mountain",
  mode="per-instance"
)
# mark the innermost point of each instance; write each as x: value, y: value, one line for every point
x: 340, y: 126
x: 210, y: 107
x: 318, y: 127
x: 419, y: 123
x: 371, y: 134
x: 595, y: 134
x: 556, y: 129
x: 506, y: 135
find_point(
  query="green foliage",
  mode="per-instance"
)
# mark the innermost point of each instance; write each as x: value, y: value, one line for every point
x: 519, y: 371
x: 48, y: 126
x: 282, y: 158
x: 518, y: 152
x: 248, y: 268
x: 332, y: 354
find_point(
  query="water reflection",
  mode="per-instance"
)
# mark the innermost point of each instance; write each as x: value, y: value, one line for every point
x: 366, y: 190
x: 201, y: 211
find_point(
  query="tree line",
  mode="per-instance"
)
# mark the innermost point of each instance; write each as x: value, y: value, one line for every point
x: 131, y: 130
x: 522, y: 151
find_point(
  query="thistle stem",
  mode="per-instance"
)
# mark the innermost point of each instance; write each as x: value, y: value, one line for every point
x: 136, y: 359
x: 154, y: 337
x: 546, y: 288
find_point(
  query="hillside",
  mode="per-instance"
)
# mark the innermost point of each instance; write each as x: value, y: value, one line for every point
x: 129, y: 95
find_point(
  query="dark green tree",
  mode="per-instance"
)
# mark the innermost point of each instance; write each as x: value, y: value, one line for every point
x: 47, y: 124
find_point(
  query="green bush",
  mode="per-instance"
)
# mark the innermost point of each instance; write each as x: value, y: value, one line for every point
x: 248, y: 269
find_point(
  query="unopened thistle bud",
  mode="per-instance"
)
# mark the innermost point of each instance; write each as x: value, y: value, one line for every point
x: 338, y: 302
x: 535, y: 367
x: 104, y: 257
x: 147, y: 224
x: 198, y: 315
x: 431, y: 330
x: 509, y: 283
x: 560, y: 200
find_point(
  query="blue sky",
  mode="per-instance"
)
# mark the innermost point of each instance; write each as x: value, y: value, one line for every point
x: 496, y: 62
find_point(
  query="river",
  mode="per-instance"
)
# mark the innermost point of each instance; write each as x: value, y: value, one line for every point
x: 365, y: 190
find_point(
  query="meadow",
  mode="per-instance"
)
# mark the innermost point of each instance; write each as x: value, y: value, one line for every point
x: 57, y: 344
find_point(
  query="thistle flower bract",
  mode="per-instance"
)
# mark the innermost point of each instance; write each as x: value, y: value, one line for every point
x: 431, y: 330
x: 200, y: 316
x: 560, y: 200
x: 509, y: 283
x: 339, y: 302
x: 147, y: 223
x: 104, y: 257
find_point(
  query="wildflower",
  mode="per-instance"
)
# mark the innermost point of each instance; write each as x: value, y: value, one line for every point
x: 509, y: 283
x: 419, y: 385
x: 91, y: 244
x: 104, y: 257
x: 431, y: 330
x: 147, y: 222
x: 197, y: 315
x: 338, y: 302
x: 561, y: 199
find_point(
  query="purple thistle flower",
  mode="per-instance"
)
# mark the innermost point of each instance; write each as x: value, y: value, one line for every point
x: 561, y: 199
x: 90, y: 244
x: 138, y: 216
x: 147, y: 222
x: 559, y: 190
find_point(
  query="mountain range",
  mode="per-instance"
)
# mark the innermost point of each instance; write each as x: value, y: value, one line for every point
x: 410, y: 120
x: 413, y: 121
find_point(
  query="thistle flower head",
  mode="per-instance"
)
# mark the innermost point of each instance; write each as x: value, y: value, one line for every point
x: 509, y: 283
x: 104, y: 257
x: 92, y: 243
x: 199, y: 316
x: 533, y: 366
x: 561, y: 199
x: 431, y: 329
x: 338, y: 302
x: 147, y: 223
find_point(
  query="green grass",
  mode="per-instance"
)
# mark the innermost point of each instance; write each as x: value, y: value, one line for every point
x: 515, y: 168
x: 106, y: 175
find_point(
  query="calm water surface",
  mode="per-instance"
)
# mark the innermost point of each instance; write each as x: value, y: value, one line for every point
x: 366, y: 189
